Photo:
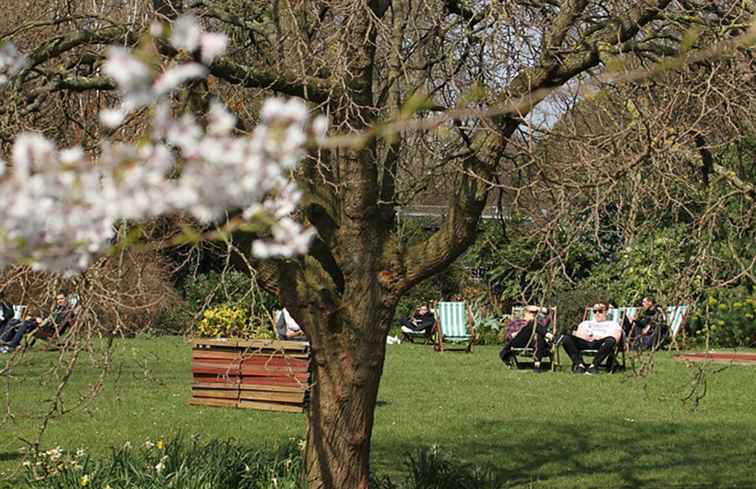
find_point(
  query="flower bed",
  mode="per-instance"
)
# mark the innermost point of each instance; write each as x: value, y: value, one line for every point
x: 257, y: 374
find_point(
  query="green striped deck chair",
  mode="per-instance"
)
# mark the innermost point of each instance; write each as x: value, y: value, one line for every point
x: 454, y: 325
x: 676, y: 317
x: 18, y: 311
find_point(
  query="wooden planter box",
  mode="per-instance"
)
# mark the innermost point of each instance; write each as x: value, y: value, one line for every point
x: 271, y: 375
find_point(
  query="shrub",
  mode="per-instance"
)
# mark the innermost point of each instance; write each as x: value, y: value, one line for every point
x: 228, y: 321
x: 731, y: 318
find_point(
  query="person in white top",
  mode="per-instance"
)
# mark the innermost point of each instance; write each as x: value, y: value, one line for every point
x: 594, y: 334
x: 286, y: 327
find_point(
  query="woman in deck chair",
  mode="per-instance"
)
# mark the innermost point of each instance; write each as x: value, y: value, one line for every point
x: 422, y: 320
x: 519, y: 332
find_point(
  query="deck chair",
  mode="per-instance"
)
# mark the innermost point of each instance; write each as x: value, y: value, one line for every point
x: 454, y: 324
x: 614, y: 314
x: 676, y: 317
x: 18, y: 311
x: 529, y: 349
x: 54, y: 336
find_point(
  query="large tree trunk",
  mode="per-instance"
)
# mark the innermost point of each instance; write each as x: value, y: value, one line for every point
x: 347, y: 372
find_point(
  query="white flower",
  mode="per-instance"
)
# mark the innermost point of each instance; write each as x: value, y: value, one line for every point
x: 173, y: 78
x: 148, y: 444
x: 32, y: 152
x: 186, y: 33
x: 212, y: 46
x: 11, y: 62
x: 111, y: 118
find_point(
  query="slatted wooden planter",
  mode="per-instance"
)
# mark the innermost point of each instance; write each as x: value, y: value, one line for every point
x: 257, y: 374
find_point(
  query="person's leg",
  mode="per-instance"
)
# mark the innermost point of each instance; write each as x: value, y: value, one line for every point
x: 605, y: 348
x: 20, y: 331
x: 571, y: 347
x: 520, y: 340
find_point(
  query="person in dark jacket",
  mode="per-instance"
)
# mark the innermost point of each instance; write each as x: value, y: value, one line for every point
x: 648, y: 329
x: 519, y: 332
x: 13, y: 335
x: 422, y: 320
x: 6, y: 314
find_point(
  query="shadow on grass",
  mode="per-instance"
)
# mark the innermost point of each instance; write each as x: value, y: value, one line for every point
x: 606, y: 453
x: 6, y: 456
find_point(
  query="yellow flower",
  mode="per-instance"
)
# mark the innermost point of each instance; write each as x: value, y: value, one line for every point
x: 160, y: 444
x: 84, y: 480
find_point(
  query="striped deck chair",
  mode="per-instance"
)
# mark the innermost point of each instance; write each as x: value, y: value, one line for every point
x: 529, y: 349
x: 676, y: 317
x: 454, y: 324
x: 18, y: 311
x: 614, y: 314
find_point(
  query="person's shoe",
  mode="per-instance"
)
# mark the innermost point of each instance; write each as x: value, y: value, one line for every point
x: 578, y: 369
x: 509, y: 363
x: 592, y: 370
x: 4, y: 349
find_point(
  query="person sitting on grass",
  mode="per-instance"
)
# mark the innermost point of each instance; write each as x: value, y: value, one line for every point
x: 422, y: 320
x: 13, y: 335
x: 594, y: 334
x: 519, y: 332
x: 647, y: 330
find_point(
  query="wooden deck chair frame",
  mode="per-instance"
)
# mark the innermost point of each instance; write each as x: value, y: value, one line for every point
x: 528, y: 350
x: 438, y: 328
x: 617, y: 314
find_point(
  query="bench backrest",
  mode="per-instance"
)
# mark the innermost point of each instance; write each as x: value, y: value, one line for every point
x: 452, y: 319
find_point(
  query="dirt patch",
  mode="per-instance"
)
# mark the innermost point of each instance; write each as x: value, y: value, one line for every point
x: 719, y: 357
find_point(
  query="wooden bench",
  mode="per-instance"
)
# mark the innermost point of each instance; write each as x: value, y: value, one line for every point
x: 272, y: 375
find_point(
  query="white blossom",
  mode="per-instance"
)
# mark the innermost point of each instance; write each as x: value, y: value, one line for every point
x: 212, y: 45
x: 11, y: 62
x: 59, y: 208
x: 186, y: 33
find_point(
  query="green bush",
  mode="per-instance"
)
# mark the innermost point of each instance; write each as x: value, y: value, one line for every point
x: 731, y: 318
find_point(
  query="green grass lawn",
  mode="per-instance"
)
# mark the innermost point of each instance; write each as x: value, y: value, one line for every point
x: 549, y: 430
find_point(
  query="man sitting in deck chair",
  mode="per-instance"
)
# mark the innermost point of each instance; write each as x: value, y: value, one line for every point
x: 519, y: 333
x: 594, y: 334
x: 422, y: 321
x: 61, y: 313
x: 648, y: 330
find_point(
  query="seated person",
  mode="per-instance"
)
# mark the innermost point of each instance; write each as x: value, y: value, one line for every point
x: 422, y: 320
x: 287, y: 328
x: 6, y: 314
x: 519, y: 332
x: 593, y: 334
x: 15, y: 332
x: 647, y: 330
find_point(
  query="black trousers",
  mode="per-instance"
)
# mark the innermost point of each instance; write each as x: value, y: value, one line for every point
x: 407, y: 322
x: 572, y: 345
x: 521, y: 340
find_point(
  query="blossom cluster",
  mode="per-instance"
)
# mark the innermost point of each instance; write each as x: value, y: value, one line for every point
x: 59, y: 208
x: 11, y: 62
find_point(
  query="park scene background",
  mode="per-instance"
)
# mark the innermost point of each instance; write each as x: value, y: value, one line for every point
x: 550, y: 153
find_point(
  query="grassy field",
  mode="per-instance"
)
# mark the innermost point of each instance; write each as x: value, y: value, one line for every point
x: 549, y: 430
